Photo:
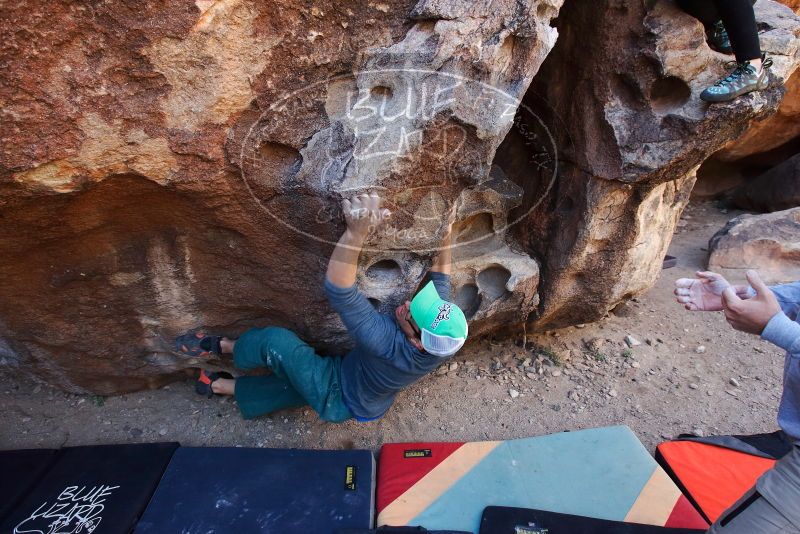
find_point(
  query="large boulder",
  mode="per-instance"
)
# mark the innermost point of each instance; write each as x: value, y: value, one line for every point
x: 622, y: 87
x: 182, y: 166
x: 769, y: 243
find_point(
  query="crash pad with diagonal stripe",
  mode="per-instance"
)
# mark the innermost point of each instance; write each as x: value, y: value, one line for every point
x: 242, y: 491
x: 604, y: 473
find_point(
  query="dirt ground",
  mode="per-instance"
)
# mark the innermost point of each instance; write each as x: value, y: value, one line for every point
x: 691, y: 373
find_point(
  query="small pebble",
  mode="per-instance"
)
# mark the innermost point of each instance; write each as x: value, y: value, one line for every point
x: 632, y: 341
x: 162, y: 432
x: 692, y: 385
x: 731, y: 392
x: 453, y: 366
x: 735, y: 382
x: 698, y: 432
x: 513, y: 393
x: 635, y: 365
x: 700, y: 350
x: 612, y: 393
x: 555, y: 373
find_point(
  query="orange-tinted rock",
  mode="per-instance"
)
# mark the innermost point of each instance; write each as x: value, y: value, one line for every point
x: 792, y: 4
x: 182, y: 166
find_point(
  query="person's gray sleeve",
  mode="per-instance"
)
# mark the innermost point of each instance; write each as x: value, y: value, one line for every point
x: 367, y: 327
x: 788, y: 296
x: 782, y: 330
x: 441, y: 282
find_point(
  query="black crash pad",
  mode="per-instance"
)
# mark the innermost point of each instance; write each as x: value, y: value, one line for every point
x: 99, y: 489
x: 242, y: 490
x: 504, y: 520
x: 21, y: 470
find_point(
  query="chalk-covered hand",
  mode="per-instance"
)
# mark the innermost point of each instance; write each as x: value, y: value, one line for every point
x: 751, y: 315
x: 704, y: 293
x: 363, y: 214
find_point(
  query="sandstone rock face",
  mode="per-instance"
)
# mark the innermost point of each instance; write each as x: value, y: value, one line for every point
x: 769, y: 243
x: 775, y: 190
x: 632, y: 132
x: 182, y: 166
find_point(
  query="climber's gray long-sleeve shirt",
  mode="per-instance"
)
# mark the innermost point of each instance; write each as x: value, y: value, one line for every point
x: 783, y: 330
x: 781, y: 484
x: 383, y: 361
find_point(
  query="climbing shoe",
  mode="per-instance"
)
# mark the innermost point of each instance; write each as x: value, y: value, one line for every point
x: 203, y: 383
x: 718, y: 39
x: 197, y: 344
x: 742, y: 79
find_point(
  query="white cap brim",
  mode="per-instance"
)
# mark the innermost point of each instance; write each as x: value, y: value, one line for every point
x: 441, y: 345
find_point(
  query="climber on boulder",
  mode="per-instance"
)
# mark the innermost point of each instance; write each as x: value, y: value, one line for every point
x: 772, y: 506
x: 390, y: 353
x: 731, y: 27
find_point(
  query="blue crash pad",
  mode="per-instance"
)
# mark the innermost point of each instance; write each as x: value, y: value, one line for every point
x: 286, y: 491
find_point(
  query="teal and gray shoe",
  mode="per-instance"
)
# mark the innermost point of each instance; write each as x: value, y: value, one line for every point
x: 718, y: 38
x: 743, y: 79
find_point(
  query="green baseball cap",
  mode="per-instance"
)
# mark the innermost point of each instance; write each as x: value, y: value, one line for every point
x: 443, y: 325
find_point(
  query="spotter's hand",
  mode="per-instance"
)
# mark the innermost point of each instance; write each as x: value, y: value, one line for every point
x: 751, y: 315
x: 704, y: 293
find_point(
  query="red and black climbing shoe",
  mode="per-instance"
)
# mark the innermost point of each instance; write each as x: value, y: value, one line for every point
x: 745, y: 78
x: 197, y: 344
x: 204, y: 381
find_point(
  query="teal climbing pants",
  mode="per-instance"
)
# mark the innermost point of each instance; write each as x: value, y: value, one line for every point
x: 299, y: 376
